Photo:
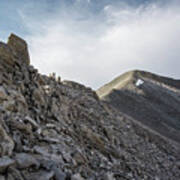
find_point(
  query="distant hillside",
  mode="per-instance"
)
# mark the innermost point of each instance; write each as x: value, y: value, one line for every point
x: 146, y: 97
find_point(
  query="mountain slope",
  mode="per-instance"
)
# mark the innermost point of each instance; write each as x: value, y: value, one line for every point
x: 151, y: 99
x: 60, y: 130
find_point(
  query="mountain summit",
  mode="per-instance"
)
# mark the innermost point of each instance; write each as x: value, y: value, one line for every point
x: 60, y: 130
x: 148, y: 98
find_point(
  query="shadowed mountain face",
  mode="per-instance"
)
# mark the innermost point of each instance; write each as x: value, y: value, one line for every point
x: 151, y: 99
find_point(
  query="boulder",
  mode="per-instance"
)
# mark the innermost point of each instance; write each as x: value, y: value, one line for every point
x: 41, y: 175
x: 20, y: 48
x: 24, y: 161
x: 16, y: 102
x: 77, y: 177
x: 5, y: 162
x: 6, y: 143
x: 13, y: 174
x: 38, y: 96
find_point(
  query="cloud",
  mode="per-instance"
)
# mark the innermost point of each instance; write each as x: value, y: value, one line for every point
x: 94, y: 48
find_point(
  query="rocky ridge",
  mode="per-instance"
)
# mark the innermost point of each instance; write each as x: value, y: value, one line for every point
x: 60, y: 130
x: 151, y: 99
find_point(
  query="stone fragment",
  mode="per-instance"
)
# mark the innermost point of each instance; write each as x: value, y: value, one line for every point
x: 10, y: 105
x: 14, y: 174
x: 93, y: 137
x: 178, y: 164
x: 20, y: 48
x: 2, y: 177
x: 1, y: 78
x: 31, y: 121
x: 25, y: 160
x: 77, y: 177
x: 79, y: 158
x: 41, y: 150
x: 6, y: 55
x: 6, y: 143
x: 47, y: 89
x: 21, y: 103
x: 5, y: 162
x: 59, y: 175
x: 41, y: 175
x: 10, y: 177
x: 38, y: 96
x: 25, y: 128
x: 67, y: 157
x: 3, y: 94
x: 18, y: 143
x: 16, y: 102
x: 41, y: 80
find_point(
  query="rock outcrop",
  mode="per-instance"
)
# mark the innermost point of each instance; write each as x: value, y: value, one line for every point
x: 53, y: 130
x: 19, y: 47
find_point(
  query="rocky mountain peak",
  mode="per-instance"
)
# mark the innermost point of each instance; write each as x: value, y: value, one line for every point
x: 149, y: 98
x: 131, y: 79
x: 60, y: 130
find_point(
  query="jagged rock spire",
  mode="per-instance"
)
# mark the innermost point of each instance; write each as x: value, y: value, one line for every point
x: 20, y: 47
x: 16, y: 50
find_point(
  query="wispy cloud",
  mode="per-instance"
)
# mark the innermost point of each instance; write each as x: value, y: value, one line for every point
x: 92, y: 49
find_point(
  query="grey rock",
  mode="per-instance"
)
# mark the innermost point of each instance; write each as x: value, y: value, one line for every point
x: 25, y: 160
x: 3, y: 94
x: 59, y: 175
x: 5, y: 162
x: 108, y: 176
x: 6, y: 143
x: 14, y: 174
x: 41, y: 175
x: 6, y: 54
x: 38, y: 96
x: 10, y: 105
x: 77, y: 177
x: 41, y: 150
x: 2, y: 177
x: 31, y: 121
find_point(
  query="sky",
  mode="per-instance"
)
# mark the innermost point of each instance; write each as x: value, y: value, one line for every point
x: 94, y: 41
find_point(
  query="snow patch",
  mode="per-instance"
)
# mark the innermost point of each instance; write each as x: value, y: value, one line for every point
x: 139, y: 82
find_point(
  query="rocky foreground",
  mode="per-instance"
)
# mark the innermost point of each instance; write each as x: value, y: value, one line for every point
x: 53, y: 130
